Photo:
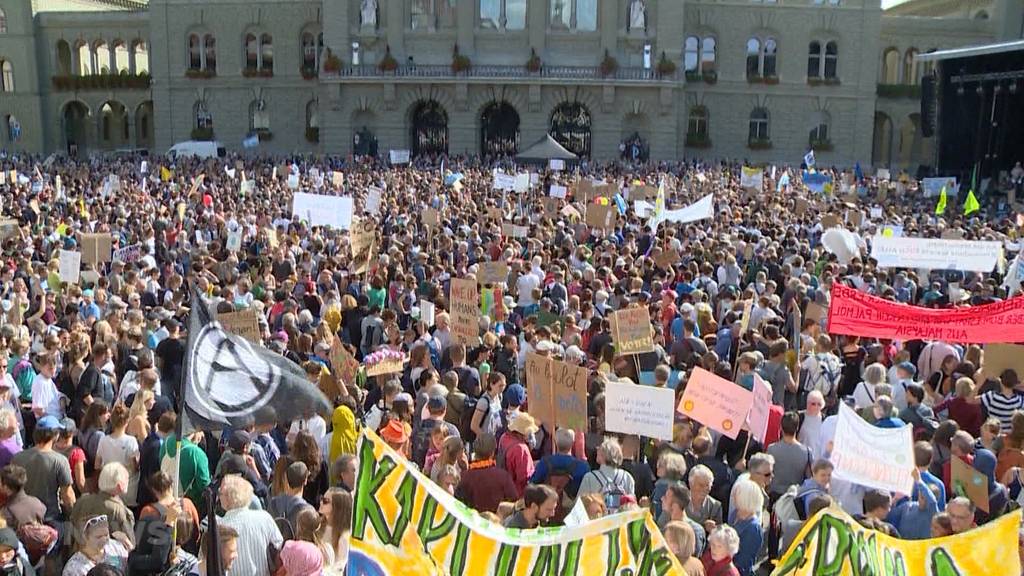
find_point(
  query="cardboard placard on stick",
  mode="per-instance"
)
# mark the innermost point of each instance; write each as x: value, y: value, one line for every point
x: 492, y: 273
x: 243, y: 323
x: 538, y: 387
x: 345, y: 365
x: 1000, y: 357
x: 829, y: 221
x: 363, y: 246
x: 599, y: 216
x: 969, y: 482
x: 385, y: 366
x: 632, y: 331
x: 96, y: 248
x: 465, y: 316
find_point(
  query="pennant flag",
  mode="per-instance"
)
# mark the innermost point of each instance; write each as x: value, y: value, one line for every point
x: 940, y: 208
x: 809, y: 159
x: 971, y: 205
x: 231, y: 382
x: 659, y: 209
x: 451, y: 178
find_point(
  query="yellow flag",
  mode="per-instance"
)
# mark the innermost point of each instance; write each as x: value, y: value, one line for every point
x: 940, y: 208
x: 971, y: 205
x: 165, y: 174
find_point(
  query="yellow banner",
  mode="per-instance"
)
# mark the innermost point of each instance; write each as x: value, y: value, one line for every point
x: 833, y: 543
x: 402, y: 523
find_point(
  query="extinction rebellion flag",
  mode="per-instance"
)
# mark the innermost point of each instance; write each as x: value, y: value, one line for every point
x: 231, y: 382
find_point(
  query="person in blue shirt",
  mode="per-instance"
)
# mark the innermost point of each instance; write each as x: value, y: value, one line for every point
x: 912, y: 515
x: 88, y: 310
x: 723, y: 344
x: 923, y: 460
x: 562, y: 459
x: 884, y: 414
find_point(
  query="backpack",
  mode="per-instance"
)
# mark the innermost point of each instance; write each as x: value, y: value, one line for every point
x: 610, y: 490
x: 37, y: 539
x: 281, y: 517
x: 466, y: 419
x: 90, y: 444
x: 155, y: 541
x: 560, y: 479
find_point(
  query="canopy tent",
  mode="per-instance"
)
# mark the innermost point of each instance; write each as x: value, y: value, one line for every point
x: 546, y: 149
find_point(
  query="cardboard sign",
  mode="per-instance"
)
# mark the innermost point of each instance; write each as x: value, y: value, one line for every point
x: 815, y: 312
x: 642, y: 410
x: 244, y: 323
x: 515, y: 231
x: 643, y: 192
x: 346, y: 367
x: 632, y: 331
x: 362, y: 246
x: 1000, y: 357
x: 666, y: 258
x: 399, y: 156
x: 800, y: 207
x: 538, y: 387
x: 492, y: 273
x: 829, y: 221
x: 70, y: 266
x: 385, y: 366
x: 430, y: 217
x: 599, y: 216
x: 96, y: 248
x: 715, y: 402
x: 569, y: 391
x: 465, y: 316
x: 875, y: 457
x: 549, y: 206
x: 337, y: 179
x: 969, y: 482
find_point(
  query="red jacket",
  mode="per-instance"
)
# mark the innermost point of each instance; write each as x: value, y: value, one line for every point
x: 518, y: 461
x: 484, y: 488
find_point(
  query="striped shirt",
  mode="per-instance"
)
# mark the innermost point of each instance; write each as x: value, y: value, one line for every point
x: 256, y: 530
x: 1002, y: 407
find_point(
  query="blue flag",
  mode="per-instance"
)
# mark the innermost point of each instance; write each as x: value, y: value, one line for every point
x: 857, y: 172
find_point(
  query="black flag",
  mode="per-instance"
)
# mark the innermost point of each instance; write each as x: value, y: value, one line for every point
x: 231, y: 382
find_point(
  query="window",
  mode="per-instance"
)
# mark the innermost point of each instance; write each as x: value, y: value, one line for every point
x: 308, y: 51
x: 102, y: 54
x: 910, y: 67
x: 121, y: 58
x: 511, y: 14
x: 267, y: 53
x: 312, y: 114
x: 107, y: 118
x: 195, y: 55
x: 252, y: 52
x: 6, y: 76
x: 831, y: 60
x: 570, y: 126
x: 63, y: 58
x: 759, y: 125
x: 697, y: 122
x: 691, y: 53
x: 819, y: 136
x: 141, y: 57
x: 210, y: 52
x: 753, y: 57
x: 432, y: 14
x: 708, y: 55
x: 13, y: 129
x: 204, y: 121
x: 814, y: 60
x: 762, y: 57
x: 259, y: 117
x: 574, y: 14
x: 3, y: 21
x: 891, y: 66
x: 770, y: 52
x: 819, y: 133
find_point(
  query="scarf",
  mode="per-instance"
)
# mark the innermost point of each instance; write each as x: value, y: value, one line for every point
x: 344, y: 434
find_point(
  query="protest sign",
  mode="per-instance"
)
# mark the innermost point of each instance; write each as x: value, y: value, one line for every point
x: 465, y: 304
x: 1000, y: 357
x: 584, y: 190
x: 757, y: 419
x: 70, y: 264
x: 752, y: 178
x: 337, y: 179
x: 876, y: 212
x: 234, y: 240
x: 832, y: 542
x: 293, y: 181
x: 815, y: 312
x: 892, y: 231
x: 967, y: 481
x: 514, y: 231
x: 243, y: 323
x: 96, y: 248
x: 936, y: 253
x: 569, y: 394
x: 522, y: 182
x: 700, y: 210
x: 556, y: 164
x: 399, y: 156
x: 557, y: 191
x: 492, y: 273
x: 430, y: 217
x: 933, y: 186
x: 504, y: 181
x: 362, y: 246
x: 599, y: 216
x: 829, y: 221
x: 427, y: 313
x: 133, y: 253
x: 9, y: 228
x: 373, y: 197
x: 715, y: 402
x: 645, y: 192
x: 345, y: 365
x: 323, y: 210
x: 538, y: 387
x: 632, y: 330
x: 550, y: 206
x: 875, y: 457
x: 854, y: 313
x: 642, y: 410
x: 386, y: 365
x: 666, y: 258
x: 403, y: 523
x: 748, y: 307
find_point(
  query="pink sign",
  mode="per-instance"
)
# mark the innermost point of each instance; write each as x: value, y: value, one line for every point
x: 715, y: 402
x: 757, y: 420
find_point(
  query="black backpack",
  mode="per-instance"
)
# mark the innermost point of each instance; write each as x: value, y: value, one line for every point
x: 465, y: 422
x: 155, y: 540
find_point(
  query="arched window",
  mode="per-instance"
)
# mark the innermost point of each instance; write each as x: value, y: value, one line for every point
x: 981, y: 15
x: 814, y: 60
x: 753, y: 57
x: 106, y: 120
x: 759, y: 125
x: 267, y: 53
x: 570, y: 127
x: 499, y: 129
x: 63, y: 58
x: 708, y: 54
x: 308, y: 51
x: 819, y: 136
x: 831, y: 60
x: 85, y: 63
x: 770, y: 55
x: 910, y: 68
x: 697, y: 122
x: 6, y: 76
x: 429, y: 128
x: 691, y: 53
x: 252, y: 52
x: 195, y: 53
x: 574, y: 14
x: 3, y: 21
x: 121, y: 58
x: 204, y: 121
x: 891, y: 66
x: 13, y: 129
x: 509, y: 14
x: 210, y: 52
x: 102, y: 65
x: 312, y: 114
x: 141, y: 57
x: 259, y: 116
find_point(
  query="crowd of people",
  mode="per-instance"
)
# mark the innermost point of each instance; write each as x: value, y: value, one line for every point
x: 93, y: 363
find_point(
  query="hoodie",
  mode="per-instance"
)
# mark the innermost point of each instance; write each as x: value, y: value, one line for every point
x: 998, y: 497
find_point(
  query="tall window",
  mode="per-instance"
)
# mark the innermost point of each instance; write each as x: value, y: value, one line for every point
x: 509, y: 14
x: 762, y: 57
x: 708, y: 54
x: 85, y: 63
x: 312, y: 114
x: 574, y: 14
x: 753, y: 57
x: 3, y: 21
x: 432, y: 14
x: 252, y: 52
x: 911, y: 72
x: 831, y: 60
x: 195, y: 53
x: 814, y: 60
x: 266, y: 53
x: 259, y: 117
x: 102, y: 54
x: 770, y: 55
x: 63, y: 57
x: 141, y: 57
x: 121, y: 57
x: 210, y: 52
x: 308, y: 51
x: 204, y: 121
x: 691, y: 53
x: 758, y: 125
x: 819, y: 129
x: 6, y: 76
x: 891, y: 66
x: 697, y: 122
x: 202, y: 52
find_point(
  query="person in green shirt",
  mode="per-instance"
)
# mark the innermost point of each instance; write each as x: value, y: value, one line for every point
x: 194, y: 472
x: 377, y: 295
x: 20, y: 368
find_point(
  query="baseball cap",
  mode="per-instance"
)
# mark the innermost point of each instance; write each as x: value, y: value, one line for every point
x: 49, y: 423
x: 515, y: 395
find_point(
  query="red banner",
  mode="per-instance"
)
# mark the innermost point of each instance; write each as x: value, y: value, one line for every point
x: 854, y: 313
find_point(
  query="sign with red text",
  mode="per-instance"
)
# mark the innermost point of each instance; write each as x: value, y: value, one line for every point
x: 715, y: 402
x: 875, y: 457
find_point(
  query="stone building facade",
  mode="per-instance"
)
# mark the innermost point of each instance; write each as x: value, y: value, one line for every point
x: 756, y: 79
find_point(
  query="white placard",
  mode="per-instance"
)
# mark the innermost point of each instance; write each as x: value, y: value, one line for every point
x: 556, y: 164
x: 399, y: 156
x: 933, y: 186
x: 293, y: 181
x: 373, y: 200
x: 319, y: 210
x: 875, y: 457
x: 752, y: 178
x: 248, y: 187
x: 643, y: 208
x: 427, y: 312
x: 504, y: 181
x: 876, y: 212
x: 882, y: 174
x: 128, y: 254
x: 234, y: 242
x: 936, y: 253
x: 522, y: 182
x: 557, y: 191
x: 643, y: 410
x: 70, y: 266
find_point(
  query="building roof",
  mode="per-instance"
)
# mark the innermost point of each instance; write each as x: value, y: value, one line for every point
x: 971, y: 51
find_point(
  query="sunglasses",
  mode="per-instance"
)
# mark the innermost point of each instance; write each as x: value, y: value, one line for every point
x: 95, y: 520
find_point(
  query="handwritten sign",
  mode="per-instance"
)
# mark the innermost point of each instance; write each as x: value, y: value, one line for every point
x: 128, y: 254
x: 70, y: 265
x: 492, y: 273
x: 504, y: 181
x: 875, y: 457
x: 642, y: 410
x: 757, y: 419
x: 569, y: 390
x: 557, y: 191
x: 936, y: 253
x: 373, y: 198
x: 967, y: 481
x: 345, y: 365
x: 399, y: 156
x: 465, y: 303
x: 337, y: 179
x: 715, y: 402
x: 385, y: 366
x: 633, y: 331
x: 538, y: 387
x: 96, y: 248
x: 362, y: 246
x: 243, y: 323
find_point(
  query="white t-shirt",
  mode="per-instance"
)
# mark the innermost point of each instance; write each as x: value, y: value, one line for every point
x: 46, y: 396
x: 316, y: 426
x: 123, y: 450
x: 525, y: 285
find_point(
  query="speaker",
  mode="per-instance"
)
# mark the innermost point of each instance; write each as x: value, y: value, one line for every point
x: 928, y: 83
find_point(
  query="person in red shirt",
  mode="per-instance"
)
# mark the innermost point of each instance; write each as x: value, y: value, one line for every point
x: 515, y: 450
x: 484, y: 485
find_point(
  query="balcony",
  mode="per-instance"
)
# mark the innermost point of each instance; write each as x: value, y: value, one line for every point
x: 899, y: 91
x: 500, y: 72
x: 75, y: 83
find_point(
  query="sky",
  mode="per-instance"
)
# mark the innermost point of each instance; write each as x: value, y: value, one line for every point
x: 890, y: 3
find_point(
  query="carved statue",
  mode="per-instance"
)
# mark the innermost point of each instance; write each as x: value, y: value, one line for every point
x: 637, y: 15
x: 368, y: 14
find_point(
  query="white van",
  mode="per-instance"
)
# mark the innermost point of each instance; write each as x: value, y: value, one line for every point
x: 200, y: 148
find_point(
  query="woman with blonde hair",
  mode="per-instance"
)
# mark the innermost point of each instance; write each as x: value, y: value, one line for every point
x: 336, y: 525
x: 963, y: 407
x: 453, y: 452
x: 682, y: 542
x: 138, y: 415
x: 309, y: 528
